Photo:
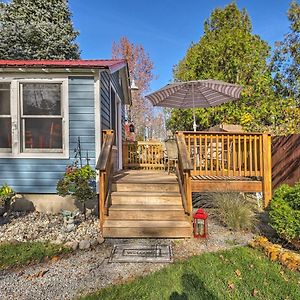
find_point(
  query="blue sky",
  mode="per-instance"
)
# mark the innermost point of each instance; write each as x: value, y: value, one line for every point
x: 165, y: 28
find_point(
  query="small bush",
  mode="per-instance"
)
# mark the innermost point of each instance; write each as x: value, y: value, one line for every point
x: 79, y: 183
x: 234, y: 211
x: 285, y: 212
x: 7, y: 196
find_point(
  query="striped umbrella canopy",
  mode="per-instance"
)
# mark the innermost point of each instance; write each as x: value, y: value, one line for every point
x: 197, y: 93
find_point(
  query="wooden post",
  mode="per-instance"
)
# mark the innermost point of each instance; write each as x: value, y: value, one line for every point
x: 267, y: 168
x: 101, y: 199
x: 189, y: 193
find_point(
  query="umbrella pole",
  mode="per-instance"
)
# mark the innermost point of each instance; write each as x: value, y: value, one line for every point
x: 193, y: 97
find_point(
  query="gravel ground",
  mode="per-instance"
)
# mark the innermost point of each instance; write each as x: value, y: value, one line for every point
x: 86, y: 271
x: 35, y: 226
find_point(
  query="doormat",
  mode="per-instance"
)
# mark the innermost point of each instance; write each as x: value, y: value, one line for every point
x: 141, y: 253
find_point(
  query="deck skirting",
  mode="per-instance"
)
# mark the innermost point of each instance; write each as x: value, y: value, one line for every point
x: 246, y: 186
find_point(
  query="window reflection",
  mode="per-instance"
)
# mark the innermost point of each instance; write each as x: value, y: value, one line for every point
x: 43, y: 133
x: 41, y: 99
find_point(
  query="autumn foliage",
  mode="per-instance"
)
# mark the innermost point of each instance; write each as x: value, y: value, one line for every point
x: 275, y: 252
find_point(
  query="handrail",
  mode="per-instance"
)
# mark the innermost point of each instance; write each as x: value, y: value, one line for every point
x: 105, y: 167
x: 183, y: 169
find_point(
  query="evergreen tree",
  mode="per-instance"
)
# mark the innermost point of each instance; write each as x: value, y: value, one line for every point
x: 229, y: 51
x: 37, y: 29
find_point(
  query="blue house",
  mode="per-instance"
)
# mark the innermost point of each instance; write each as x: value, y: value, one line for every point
x: 45, y: 105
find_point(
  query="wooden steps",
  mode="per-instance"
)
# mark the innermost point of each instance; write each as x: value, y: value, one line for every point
x: 146, y: 204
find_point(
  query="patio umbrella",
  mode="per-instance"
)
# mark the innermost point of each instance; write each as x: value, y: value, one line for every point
x: 197, y: 93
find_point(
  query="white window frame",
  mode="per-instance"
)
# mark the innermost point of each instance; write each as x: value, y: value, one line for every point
x: 7, y: 150
x: 16, y: 119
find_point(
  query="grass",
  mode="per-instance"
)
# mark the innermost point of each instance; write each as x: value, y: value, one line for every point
x: 240, y: 273
x: 12, y: 255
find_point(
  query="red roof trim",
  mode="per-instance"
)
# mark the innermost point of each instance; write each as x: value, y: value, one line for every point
x: 111, y: 64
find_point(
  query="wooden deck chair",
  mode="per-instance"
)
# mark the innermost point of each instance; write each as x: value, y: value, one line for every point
x: 172, y: 153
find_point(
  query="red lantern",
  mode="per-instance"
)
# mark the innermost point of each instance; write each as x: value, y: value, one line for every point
x: 200, y: 224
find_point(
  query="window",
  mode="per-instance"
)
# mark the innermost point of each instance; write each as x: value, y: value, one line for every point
x: 5, y: 117
x: 41, y: 117
x: 34, y: 118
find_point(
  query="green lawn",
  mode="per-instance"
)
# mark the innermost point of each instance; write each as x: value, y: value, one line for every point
x: 22, y: 253
x: 241, y: 273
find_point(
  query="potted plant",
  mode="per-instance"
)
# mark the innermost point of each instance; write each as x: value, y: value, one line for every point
x: 6, y: 195
x: 78, y: 182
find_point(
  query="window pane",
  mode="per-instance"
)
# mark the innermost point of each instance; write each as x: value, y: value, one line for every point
x: 5, y: 133
x: 43, y: 133
x: 4, y: 98
x: 41, y: 99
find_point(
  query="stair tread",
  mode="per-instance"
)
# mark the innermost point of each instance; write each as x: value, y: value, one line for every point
x: 145, y: 207
x: 143, y: 224
x: 142, y: 194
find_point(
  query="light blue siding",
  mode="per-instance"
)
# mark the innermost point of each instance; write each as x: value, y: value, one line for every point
x: 41, y: 175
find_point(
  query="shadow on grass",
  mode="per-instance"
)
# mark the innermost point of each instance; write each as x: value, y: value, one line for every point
x: 193, y: 288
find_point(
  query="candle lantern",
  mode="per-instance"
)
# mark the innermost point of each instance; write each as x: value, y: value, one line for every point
x: 200, y: 224
x: 131, y: 127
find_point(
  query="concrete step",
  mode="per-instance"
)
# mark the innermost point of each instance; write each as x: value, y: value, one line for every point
x: 146, y: 198
x: 124, y: 186
x: 147, y: 212
x: 134, y: 228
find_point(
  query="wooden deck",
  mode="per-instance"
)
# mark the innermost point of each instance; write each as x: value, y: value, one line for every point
x: 150, y: 201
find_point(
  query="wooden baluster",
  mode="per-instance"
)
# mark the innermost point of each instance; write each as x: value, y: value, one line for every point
x: 205, y: 153
x: 260, y: 155
x: 239, y: 156
x: 255, y: 156
x: 195, y: 155
x: 228, y: 155
x: 211, y: 155
x: 200, y: 154
x: 245, y: 155
x: 250, y: 156
x: 234, y: 155
x: 223, y: 155
x: 217, y: 155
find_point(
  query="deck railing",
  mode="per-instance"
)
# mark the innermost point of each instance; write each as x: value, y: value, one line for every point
x: 105, y: 167
x: 226, y: 154
x: 146, y: 155
x: 183, y: 169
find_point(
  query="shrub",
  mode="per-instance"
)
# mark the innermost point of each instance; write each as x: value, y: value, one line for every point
x: 79, y: 183
x: 6, y: 195
x: 234, y: 211
x: 285, y: 212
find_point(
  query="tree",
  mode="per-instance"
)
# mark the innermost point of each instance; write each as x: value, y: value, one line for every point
x: 229, y: 51
x: 141, y: 71
x: 286, y: 59
x: 37, y: 29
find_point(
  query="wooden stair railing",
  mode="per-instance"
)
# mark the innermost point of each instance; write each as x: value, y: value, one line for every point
x: 183, y: 170
x: 105, y: 167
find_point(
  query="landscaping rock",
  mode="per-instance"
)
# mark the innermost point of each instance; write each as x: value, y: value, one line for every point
x: 94, y: 243
x: 73, y: 245
x: 100, y: 240
x: 84, y: 245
